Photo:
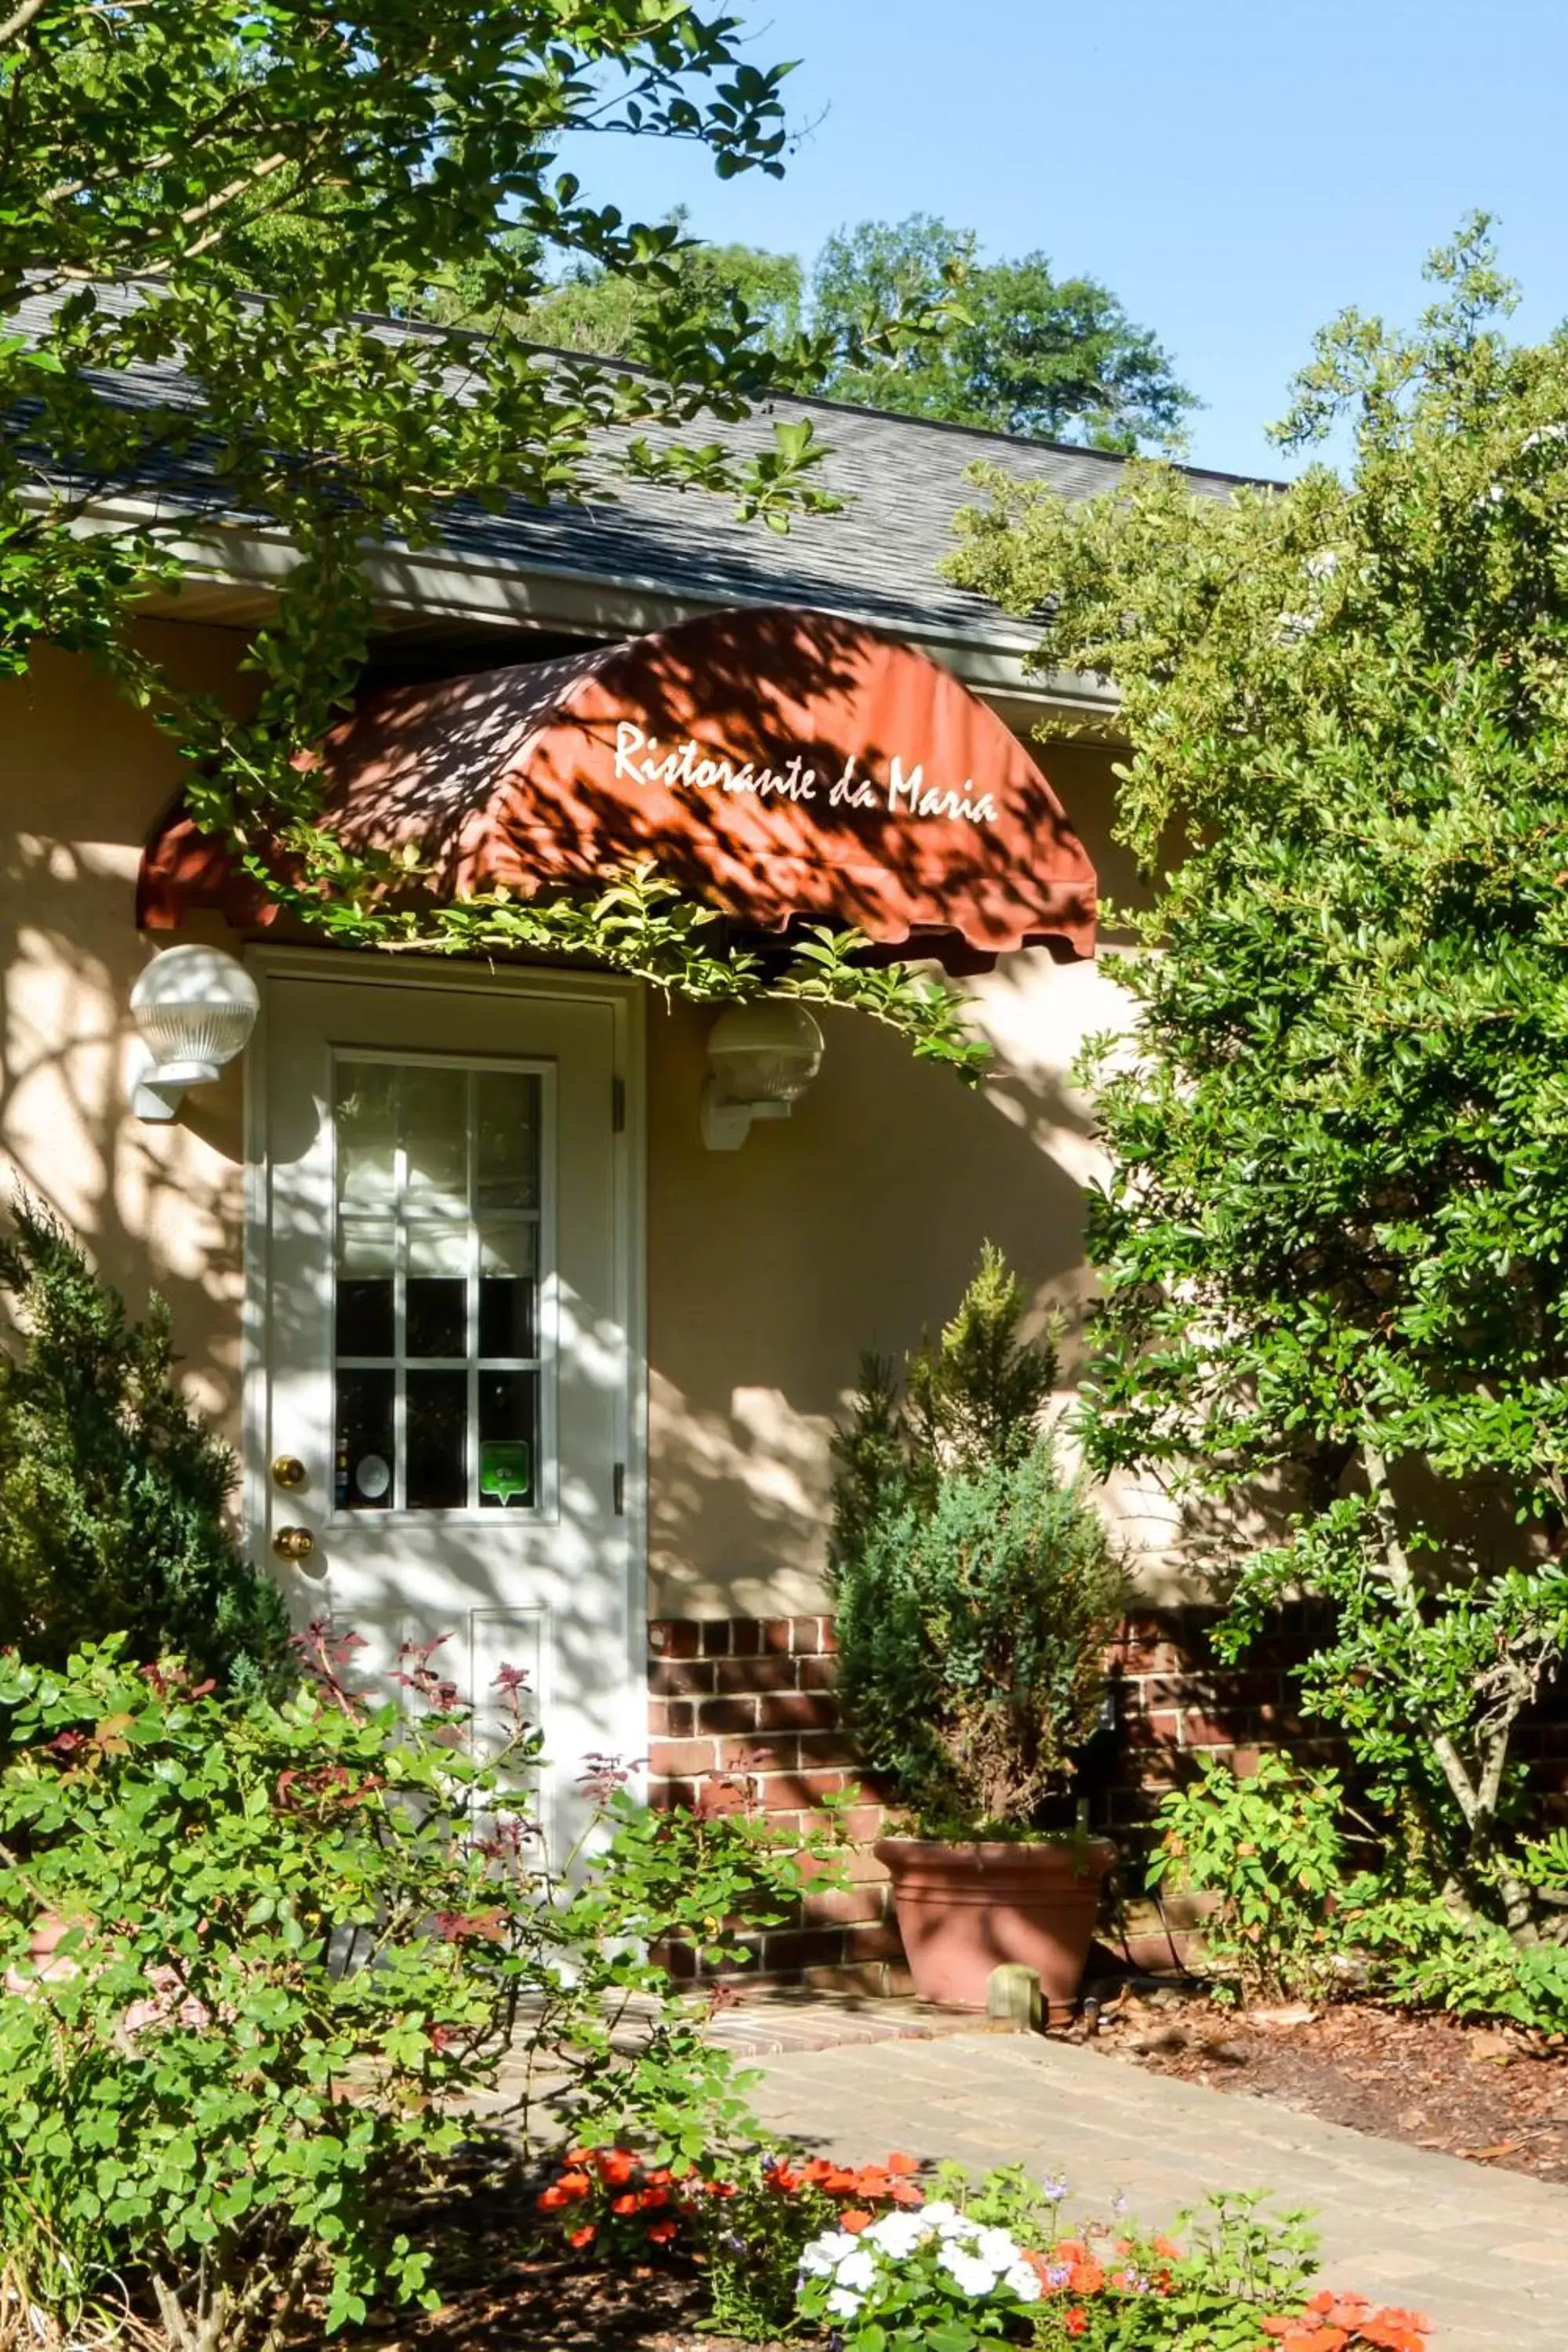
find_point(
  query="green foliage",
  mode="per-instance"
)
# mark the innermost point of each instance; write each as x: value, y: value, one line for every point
x: 1333, y: 1242
x: 112, y: 1494
x: 1017, y: 350
x: 590, y: 310
x: 971, y: 1399
x: 755, y: 2238
x: 975, y: 1588
x: 897, y: 316
x: 281, y: 1944
x: 1269, y: 1845
x: 238, y: 193
x: 1432, y: 1953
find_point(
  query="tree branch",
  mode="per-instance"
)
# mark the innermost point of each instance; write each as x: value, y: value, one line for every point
x: 16, y: 26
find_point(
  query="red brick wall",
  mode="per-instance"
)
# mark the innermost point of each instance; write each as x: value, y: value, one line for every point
x: 748, y: 1702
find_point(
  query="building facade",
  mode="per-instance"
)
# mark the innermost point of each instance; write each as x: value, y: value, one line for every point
x: 510, y: 1352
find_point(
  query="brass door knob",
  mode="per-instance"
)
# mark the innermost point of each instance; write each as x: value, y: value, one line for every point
x: 287, y: 1472
x: 293, y: 1543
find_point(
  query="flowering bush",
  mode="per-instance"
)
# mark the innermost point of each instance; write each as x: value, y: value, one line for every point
x: 935, y: 2277
x: 257, y: 1958
x: 860, y: 2253
x: 747, y: 2227
x: 1338, y: 2323
x: 950, y: 2277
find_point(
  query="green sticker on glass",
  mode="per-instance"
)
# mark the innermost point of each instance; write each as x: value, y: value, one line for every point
x: 506, y: 1468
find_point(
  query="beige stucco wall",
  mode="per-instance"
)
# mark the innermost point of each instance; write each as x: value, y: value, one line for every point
x: 82, y: 778
x: 854, y: 1224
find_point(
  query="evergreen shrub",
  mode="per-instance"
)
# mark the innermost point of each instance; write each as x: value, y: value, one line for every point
x: 114, y: 1494
x: 975, y: 1583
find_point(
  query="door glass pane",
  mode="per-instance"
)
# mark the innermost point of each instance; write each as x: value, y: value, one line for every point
x: 438, y: 1318
x: 367, y: 1320
x: 367, y: 1246
x: 508, y: 1439
x: 509, y: 1255
x: 436, y: 1135
x: 436, y: 1298
x: 367, y: 1134
x: 506, y: 1139
x: 435, y: 1426
x: 366, y: 1446
x: 439, y: 1249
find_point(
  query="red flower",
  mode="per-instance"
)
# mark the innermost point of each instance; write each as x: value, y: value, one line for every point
x: 662, y: 2231
x: 1075, y: 2320
x: 583, y: 2237
x: 614, y: 2166
x: 855, y: 2219
x: 898, y: 2162
x: 624, y: 2204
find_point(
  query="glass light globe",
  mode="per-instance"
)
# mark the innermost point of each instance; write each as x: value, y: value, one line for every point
x: 195, y: 1007
x: 767, y: 1052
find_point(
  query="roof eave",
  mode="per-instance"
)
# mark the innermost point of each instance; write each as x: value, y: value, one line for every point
x: 441, y: 583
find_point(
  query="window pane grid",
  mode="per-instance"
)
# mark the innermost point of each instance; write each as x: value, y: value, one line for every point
x: 439, y: 1245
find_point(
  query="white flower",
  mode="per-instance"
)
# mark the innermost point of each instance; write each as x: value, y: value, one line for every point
x: 842, y: 2304
x: 1022, y: 2281
x: 973, y: 2276
x: 942, y: 2214
x: 996, y: 2247
x: 818, y: 2258
x: 897, y: 2234
x: 858, y: 2269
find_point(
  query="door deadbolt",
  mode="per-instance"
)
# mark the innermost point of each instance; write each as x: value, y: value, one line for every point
x: 287, y: 1471
x: 293, y: 1543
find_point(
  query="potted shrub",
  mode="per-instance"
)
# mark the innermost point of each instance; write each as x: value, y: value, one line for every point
x: 975, y: 1588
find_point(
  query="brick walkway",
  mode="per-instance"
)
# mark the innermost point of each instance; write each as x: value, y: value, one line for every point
x: 1484, y: 2254
x: 765, y: 2022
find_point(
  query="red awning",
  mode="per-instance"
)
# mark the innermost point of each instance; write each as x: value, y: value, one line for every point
x: 782, y: 766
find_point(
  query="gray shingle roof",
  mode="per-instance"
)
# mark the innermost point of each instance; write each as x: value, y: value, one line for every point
x: 878, y: 559
x: 903, y: 479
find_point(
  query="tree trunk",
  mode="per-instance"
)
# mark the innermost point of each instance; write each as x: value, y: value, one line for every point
x: 1476, y: 1802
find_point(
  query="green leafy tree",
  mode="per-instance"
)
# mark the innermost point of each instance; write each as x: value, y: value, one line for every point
x: 114, y: 1495
x: 711, y: 284
x: 235, y: 193
x: 1333, y: 1241
x: 1019, y: 349
x: 1005, y: 345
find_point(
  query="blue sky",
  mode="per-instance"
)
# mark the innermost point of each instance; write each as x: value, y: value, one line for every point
x: 1236, y: 169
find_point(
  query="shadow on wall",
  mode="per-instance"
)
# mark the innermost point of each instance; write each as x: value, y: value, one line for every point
x: 84, y: 776
x: 854, y: 1224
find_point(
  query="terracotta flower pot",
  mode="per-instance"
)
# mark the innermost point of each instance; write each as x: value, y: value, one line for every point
x: 965, y: 1909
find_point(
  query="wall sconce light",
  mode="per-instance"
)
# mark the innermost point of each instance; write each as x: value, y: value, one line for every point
x: 761, y: 1058
x: 194, y: 1008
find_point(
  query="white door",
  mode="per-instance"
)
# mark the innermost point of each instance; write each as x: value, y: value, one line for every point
x: 444, y: 1296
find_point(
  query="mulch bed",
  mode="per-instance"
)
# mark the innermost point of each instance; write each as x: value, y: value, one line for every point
x: 542, y: 2308
x: 1496, y: 2094
x: 501, y: 2298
